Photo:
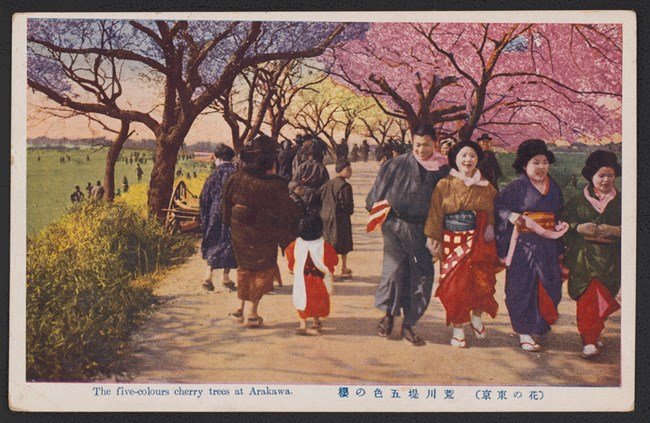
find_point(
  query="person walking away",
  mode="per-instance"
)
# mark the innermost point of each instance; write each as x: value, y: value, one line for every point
x: 354, y: 154
x: 528, y: 241
x: 139, y: 172
x: 97, y: 192
x: 285, y: 160
x: 342, y: 150
x: 312, y: 261
x: 297, y: 193
x: 338, y: 206
x: 303, y: 146
x: 77, y: 196
x: 386, y: 153
x: 364, y: 150
x: 261, y: 216
x: 313, y: 174
x: 406, y: 183
x: 216, y: 243
x: 460, y: 228
x: 489, y: 166
x: 593, y: 248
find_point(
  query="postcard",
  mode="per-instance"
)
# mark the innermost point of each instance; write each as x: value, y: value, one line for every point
x: 350, y: 211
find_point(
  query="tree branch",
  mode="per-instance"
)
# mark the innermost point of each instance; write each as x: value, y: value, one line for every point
x: 116, y: 53
x: 111, y: 111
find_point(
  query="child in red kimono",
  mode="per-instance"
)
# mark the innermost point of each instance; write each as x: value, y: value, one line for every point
x: 312, y: 260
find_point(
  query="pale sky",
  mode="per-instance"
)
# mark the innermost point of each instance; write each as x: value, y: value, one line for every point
x: 40, y: 123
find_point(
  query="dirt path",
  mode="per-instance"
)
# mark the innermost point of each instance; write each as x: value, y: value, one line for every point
x: 191, y: 339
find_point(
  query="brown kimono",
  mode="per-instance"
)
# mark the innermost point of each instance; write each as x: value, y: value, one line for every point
x: 337, y: 208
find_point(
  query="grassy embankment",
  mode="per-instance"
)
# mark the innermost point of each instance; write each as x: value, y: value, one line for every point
x: 89, y: 282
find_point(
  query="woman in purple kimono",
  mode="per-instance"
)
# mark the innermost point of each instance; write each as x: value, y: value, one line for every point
x: 216, y: 246
x: 528, y: 240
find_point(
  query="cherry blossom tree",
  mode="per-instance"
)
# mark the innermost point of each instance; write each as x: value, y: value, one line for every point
x: 191, y: 62
x: 513, y: 81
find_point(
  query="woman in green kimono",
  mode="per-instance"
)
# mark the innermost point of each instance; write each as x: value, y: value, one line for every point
x: 593, y: 247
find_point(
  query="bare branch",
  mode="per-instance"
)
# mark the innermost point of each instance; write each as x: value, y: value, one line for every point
x: 116, y: 53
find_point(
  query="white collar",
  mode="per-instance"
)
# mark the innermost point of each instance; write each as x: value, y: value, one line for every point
x: 474, y: 180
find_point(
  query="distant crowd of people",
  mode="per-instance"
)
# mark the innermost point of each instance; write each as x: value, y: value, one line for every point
x: 96, y: 192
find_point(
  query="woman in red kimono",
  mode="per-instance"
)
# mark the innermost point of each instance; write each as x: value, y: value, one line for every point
x: 460, y: 226
x: 312, y: 260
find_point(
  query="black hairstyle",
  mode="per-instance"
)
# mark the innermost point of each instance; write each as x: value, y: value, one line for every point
x: 300, y: 138
x: 341, y: 164
x: 598, y: 159
x: 424, y: 129
x: 455, y: 149
x: 316, y: 149
x: 529, y: 149
x: 224, y: 152
x: 310, y: 226
x: 260, y: 155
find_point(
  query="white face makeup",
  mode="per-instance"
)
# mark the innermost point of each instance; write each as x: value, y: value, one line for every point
x: 466, y: 161
x: 603, y: 180
x: 537, y: 168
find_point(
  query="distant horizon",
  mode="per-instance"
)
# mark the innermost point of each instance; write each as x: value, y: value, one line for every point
x: 207, y: 146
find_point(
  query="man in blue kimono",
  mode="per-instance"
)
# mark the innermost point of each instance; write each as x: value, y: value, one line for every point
x: 407, y: 182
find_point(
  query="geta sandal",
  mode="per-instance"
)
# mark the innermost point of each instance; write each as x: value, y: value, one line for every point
x: 207, y: 285
x: 255, y: 321
x: 458, y: 343
x: 530, y: 346
x: 479, y: 333
x: 238, y: 315
x: 385, y: 326
x: 414, y: 339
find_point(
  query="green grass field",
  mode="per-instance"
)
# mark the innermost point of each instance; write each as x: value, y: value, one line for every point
x: 50, y: 182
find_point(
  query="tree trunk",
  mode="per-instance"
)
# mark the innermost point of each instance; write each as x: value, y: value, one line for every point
x: 111, y: 159
x: 465, y: 133
x: 277, y: 123
x: 162, y: 177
